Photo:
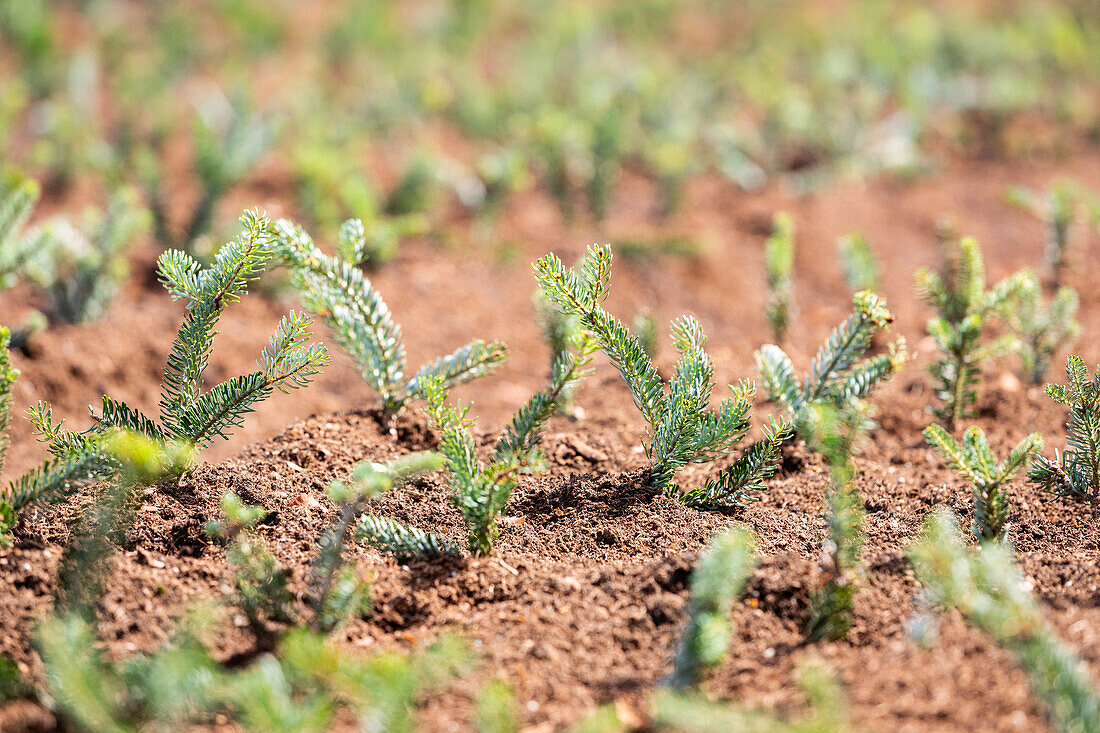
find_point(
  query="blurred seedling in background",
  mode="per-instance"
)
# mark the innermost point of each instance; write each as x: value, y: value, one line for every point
x: 779, y: 267
x: 1040, y: 329
x: 1061, y: 207
x: 229, y: 142
x: 861, y: 269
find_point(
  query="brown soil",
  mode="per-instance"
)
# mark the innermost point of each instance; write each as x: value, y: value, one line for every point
x: 584, y: 598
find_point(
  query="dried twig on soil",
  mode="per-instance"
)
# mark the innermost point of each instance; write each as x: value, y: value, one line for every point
x: 974, y: 460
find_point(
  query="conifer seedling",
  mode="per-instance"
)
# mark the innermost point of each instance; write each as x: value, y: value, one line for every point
x: 361, y: 322
x: 1063, y: 205
x: 682, y: 428
x: 974, y: 460
x: 836, y: 433
x: 1040, y: 329
x: 1075, y: 473
x: 188, y: 413
x: 778, y: 266
x: 481, y: 491
x: 229, y: 141
x: 963, y: 309
x: 987, y: 587
x: 841, y: 371
x: 720, y: 576
x: 78, y: 268
x: 861, y: 270
x: 54, y: 479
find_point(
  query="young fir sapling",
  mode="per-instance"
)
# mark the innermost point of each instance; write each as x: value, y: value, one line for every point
x: 963, y: 309
x: 361, y: 322
x: 987, y: 587
x: 682, y: 428
x: 480, y: 491
x: 836, y: 433
x: 187, y: 413
x: 720, y: 576
x: 54, y: 479
x: 861, y: 270
x: 1075, y: 473
x: 974, y: 461
x: 840, y: 372
x: 1040, y: 329
x: 778, y: 266
x: 1060, y: 207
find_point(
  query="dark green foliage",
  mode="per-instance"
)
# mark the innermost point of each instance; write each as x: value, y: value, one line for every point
x: 1076, y: 472
x: 974, y: 460
x: 987, y: 587
x: 307, y: 684
x: 682, y: 428
x: 779, y: 266
x: 54, y: 479
x: 361, y: 323
x: 963, y: 309
x: 1040, y: 329
x: 836, y: 433
x: 840, y: 372
x: 187, y: 413
x: 861, y: 270
x: 719, y: 577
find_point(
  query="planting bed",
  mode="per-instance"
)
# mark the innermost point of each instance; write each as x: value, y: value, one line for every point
x: 583, y: 599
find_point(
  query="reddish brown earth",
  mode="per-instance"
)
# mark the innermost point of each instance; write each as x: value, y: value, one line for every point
x: 584, y: 598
